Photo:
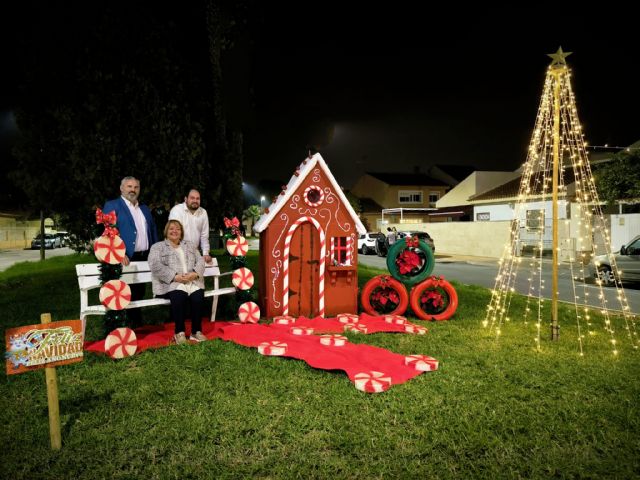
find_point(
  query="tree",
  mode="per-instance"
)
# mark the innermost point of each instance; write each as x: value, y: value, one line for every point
x: 252, y: 213
x: 619, y: 179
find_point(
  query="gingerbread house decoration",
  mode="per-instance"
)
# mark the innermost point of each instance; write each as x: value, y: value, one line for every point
x: 308, y: 247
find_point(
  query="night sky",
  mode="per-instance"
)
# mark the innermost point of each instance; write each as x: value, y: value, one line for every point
x: 388, y: 89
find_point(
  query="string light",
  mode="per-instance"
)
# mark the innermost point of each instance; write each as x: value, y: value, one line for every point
x: 591, y: 231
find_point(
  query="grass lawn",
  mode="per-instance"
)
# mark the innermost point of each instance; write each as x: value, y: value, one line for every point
x: 219, y: 410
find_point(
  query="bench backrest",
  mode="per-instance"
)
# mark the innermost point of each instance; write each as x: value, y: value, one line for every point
x: 136, y: 272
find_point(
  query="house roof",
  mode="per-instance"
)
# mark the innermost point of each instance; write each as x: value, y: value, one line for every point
x: 369, y: 205
x: 407, y: 179
x: 511, y: 188
x: 303, y: 170
x: 457, y: 172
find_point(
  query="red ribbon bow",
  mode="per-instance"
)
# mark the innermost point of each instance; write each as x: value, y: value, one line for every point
x: 108, y: 219
x: 233, y: 224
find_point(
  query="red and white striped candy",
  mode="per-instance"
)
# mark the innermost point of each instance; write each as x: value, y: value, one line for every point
x: 301, y: 331
x: 355, y: 328
x: 109, y: 250
x: 415, y: 329
x: 333, y: 340
x: 120, y: 343
x: 249, y: 312
x: 115, y: 295
x: 238, y: 246
x: 273, y: 348
x: 395, y: 319
x: 348, y: 318
x: 372, y: 382
x: 284, y: 320
x: 242, y: 278
x: 422, y: 363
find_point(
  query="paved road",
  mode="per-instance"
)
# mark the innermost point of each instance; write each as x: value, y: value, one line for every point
x: 483, y: 272
x: 9, y: 257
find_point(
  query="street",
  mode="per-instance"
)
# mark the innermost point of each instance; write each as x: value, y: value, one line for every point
x: 10, y: 256
x: 483, y: 272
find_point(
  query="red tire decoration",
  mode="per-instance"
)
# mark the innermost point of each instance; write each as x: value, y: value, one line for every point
x: 418, y: 254
x: 434, y: 299
x: 383, y: 295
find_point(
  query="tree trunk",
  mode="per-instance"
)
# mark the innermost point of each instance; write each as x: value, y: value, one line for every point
x: 41, y: 235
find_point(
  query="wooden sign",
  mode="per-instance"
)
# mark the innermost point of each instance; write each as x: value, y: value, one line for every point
x: 31, y: 347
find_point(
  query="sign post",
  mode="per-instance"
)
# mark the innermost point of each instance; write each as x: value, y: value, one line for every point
x: 52, y: 398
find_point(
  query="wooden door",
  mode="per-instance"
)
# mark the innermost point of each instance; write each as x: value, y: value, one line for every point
x: 304, y: 263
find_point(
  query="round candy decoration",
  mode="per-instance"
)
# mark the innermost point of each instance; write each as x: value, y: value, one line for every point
x: 120, y: 343
x: 355, y: 328
x: 422, y: 363
x: 301, y: 331
x: 274, y: 348
x: 115, y: 295
x: 395, y: 319
x: 109, y: 250
x: 313, y: 196
x: 237, y: 247
x: 372, y: 382
x: 415, y: 329
x: 333, y: 340
x: 249, y: 312
x: 348, y: 318
x: 242, y: 278
x: 284, y: 320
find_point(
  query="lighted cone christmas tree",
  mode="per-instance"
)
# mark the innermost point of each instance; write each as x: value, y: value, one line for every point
x: 557, y: 177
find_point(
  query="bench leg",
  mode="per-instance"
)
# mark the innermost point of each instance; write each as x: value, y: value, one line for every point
x: 214, y: 307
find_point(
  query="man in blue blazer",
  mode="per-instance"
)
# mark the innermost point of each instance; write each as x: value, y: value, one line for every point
x: 138, y: 232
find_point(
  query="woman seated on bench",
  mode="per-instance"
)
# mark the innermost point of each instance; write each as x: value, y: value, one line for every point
x: 177, y: 268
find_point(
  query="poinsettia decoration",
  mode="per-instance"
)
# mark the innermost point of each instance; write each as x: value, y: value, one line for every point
x: 407, y: 261
x: 384, y: 299
x: 433, y: 297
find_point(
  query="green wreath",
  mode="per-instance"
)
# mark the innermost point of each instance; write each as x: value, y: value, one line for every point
x: 410, y: 261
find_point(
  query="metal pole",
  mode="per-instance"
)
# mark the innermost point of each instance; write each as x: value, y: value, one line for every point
x: 555, y: 329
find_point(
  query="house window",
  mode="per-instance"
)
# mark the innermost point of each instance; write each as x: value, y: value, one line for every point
x: 535, y: 220
x: 409, y: 196
x: 433, y: 198
x: 483, y: 216
x: 341, y: 252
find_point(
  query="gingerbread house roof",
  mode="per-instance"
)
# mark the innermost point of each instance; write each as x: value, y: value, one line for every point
x: 303, y: 170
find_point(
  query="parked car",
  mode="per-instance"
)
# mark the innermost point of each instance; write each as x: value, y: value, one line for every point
x: 627, y: 260
x: 367, y: 243
x: 382, y: 244
x: 50, y: 241
x: 65, y: 240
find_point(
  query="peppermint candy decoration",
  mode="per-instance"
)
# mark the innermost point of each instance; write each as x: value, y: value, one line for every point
x: 274, y: 349
x: 395, y: 319
x: 355, y: 328
x: 313, y: 196
x: 242, y: 278
x: 333, y: 340
x: 115, y: 295
x: 301, y: 331
x: 284, y: 320
x: 237, y: 247
x: 120, y: 343
x: 415, y: 329
x: 422, y: 363
x: 109, y: 250
x: 372, y: 382
x: 249, y: 312
x: 348, y: 318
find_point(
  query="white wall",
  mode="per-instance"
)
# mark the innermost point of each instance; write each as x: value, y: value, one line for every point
x: 623, y: 228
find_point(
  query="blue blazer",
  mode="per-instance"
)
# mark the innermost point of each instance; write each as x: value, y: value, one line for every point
x: 127, y: 226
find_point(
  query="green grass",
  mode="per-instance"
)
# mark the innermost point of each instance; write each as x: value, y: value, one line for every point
x: 218, y: 410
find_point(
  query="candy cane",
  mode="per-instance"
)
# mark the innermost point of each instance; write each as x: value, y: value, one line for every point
x: 285, y: 268
x: 349, y: 250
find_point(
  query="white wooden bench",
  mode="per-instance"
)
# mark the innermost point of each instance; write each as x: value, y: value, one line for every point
x: 138, y: 272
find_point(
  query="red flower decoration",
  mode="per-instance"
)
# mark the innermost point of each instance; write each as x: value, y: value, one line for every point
x: 434, y: 297
x: 383, y: 296
x: 412, y: 242
x: 407, y: 261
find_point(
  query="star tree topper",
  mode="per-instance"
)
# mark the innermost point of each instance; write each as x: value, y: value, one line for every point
x: 559, y: 57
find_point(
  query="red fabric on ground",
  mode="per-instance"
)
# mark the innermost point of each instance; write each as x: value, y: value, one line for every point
x: 351, y: 358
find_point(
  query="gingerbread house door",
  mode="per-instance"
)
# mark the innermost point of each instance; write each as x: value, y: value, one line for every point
x: 304, y: 264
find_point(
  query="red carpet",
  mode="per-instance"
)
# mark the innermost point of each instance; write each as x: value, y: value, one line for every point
x: 359, y: 361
